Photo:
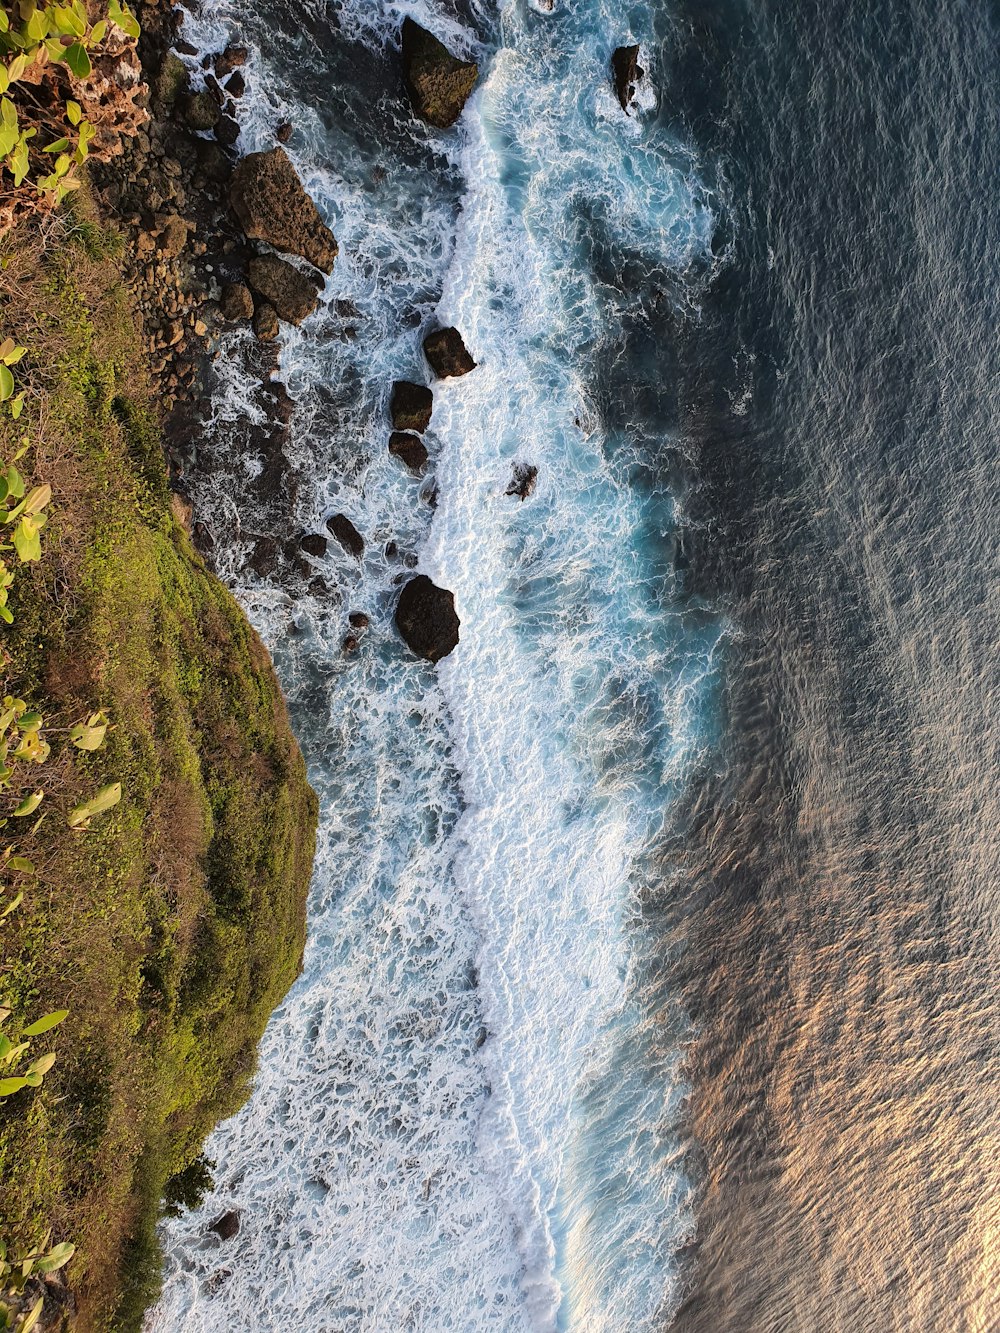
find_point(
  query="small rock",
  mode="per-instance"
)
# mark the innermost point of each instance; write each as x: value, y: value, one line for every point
x: 347, y: 534
x: 215, y: 88
x: 446, y: 352
x: 411, y: 406
x: 173, y: 236
x: 293, y: 295
x: 200, y: 328
x: 236, y: 85
x: 199, y: 111
x: 227, y: 1225
x: 227, y: 130
x: 627, y: 72
x: 350, y: 644
x: 172, y: 79
x: 358, y: 620
x: 409, y: 449
x: 439, y: 83
x: 426, y: 618
x: 233, y: 57
x: 523, y: 480
x: 314, y: 544
x: 265, y: 323
x: 284, y: 131
x: 236, y: 302
x: 391, y: 550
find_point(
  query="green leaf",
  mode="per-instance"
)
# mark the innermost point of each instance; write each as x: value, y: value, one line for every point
x: 17, y: 67
x: 15, y: 482
x: 17, y: 403
x: 90, y: 735
x: 74, y: 112
x: 57, y: 1258
x: 33, y: 1317
x: 42, y: 1065
x: 8, y: 1086
x: 37, y: 26
x: 104, y: 800
x: 45, y: 1024
x: 30, y: 721
x: 27, y: 543
x: 4, y: 76
x: 12, y: 906
x: 97, y: 35
x: 77, y: 59
x: 124, y: 18
x: 59, y: 146
x: 6, y: 384
x: 22, y: 864
x: 29, y: 805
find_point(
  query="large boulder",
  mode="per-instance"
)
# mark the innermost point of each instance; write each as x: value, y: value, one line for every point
x: 236, y: 301
x: 292, y: 294
x: 411, y: 406
x: 347, y: 534
x: 426, y: 618
x: 627, y: 72
x: 409, y: 449
x: 271, y: 205
x: 447, y: 354
x: 439, y: 83
x: 226, y: 1226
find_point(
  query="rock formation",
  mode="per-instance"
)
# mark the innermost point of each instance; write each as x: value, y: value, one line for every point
x: 446, y: 352
x: 347, y: 534
x: 269, y: 200
x: 627, y: 72
x: 439, y: 83
x: 426, y: 618
x: 523, y: 480
x: 226, y: 1226
x: 411, y: 406
x: 409, y: 449
x: 293, y: 295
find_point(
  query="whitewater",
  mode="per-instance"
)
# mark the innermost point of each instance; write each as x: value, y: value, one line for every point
x: 465, y: 1117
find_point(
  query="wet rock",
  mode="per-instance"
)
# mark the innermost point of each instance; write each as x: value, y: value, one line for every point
x: 411, y: 406
x: 439, y: 84
x: 232, y: 58
x: 409, y: 449
x: 523, y: 480
x: 203, y: 538
x: 314, y: 544
x: 293, y: 295
x: 215, y: 88
x: 426, y: 618
x: 236, y: 85
x: 236, y: 302
x: 227, y: 1225
x: 271, y: 205
x: 214, y: 161
x: 265, y: 323
x: 391, y: 550
x: 199, y: 111
x: 347, y: 534
x: 447, y: 354
x: 358, y: 620
x: 284, y: 131
x: 264, y: 556
x: 227, y: 130
x: 350, y: 644
x: 627, y: 72
x: 171, y: 80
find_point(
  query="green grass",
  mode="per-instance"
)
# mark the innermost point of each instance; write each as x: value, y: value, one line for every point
x: 174, y: 926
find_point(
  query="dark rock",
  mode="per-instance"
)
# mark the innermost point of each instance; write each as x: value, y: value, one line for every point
x: 314, y: 544
x: 409, y: 449
x: 233, y: 57
x: 226, y: 1226
x: 173, y: 236
x: 426, y: 618
x: 358, y: 619
x: 265, y: 323
x: 172, y: 80
x: 268, y: 198
x: 627, y: 72
x: 347, y: 534
x: 523, y: 480
x: 346, y: 309
x: 199, y: 111
x: 264, y: 556
x: 292, y: 294
x: 439, y: 84
x: 236, y: 85
x: 411, y: 559
x: 215, y: 88
x: 284, y: 131
x: 236, y: 302
x: 447, y: 354
x: 214, y: 161
x: 318, y: 587
x: 391, y: 550
x: 350, y: 644
x: 411, y: 406
x: 203, y: 538
x: 227, y: 130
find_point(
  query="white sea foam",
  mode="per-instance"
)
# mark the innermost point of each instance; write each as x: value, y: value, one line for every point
x: 458, y: 1123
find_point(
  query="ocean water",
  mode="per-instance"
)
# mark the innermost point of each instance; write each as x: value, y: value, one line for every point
x: 651, y: 971
x: 467, y: 1114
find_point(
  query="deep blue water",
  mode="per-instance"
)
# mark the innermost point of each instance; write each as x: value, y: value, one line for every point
x: 650, y: 969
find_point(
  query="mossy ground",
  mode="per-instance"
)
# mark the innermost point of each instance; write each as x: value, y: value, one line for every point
x: 172, y: 928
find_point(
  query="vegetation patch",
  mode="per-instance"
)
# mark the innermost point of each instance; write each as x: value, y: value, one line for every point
x: 171, y: 926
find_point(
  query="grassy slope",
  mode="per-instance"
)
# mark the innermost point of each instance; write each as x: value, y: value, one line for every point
x: 173, y: 928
